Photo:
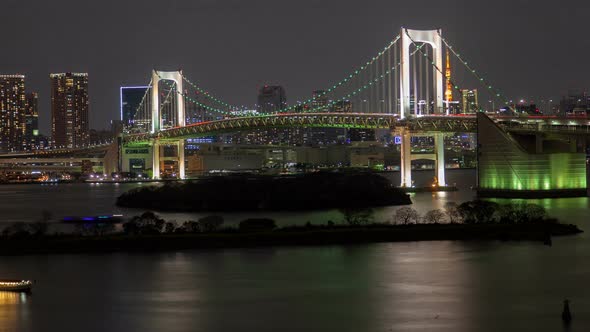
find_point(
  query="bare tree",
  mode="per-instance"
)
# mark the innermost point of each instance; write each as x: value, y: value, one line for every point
x: 452, y: 212
x: 433, y: 216
x: 40, y: 227
x: 170, y: 226
x: 406, y: 215
x: 357, y: 216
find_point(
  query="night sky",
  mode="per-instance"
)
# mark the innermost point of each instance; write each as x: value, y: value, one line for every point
x: 530, y: 49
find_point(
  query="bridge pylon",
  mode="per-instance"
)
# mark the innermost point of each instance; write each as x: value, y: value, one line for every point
x: 155, y: 159
x: 439, y: 150
x: 432, y: 37
x: 176, y: 77
x: 406, y: 158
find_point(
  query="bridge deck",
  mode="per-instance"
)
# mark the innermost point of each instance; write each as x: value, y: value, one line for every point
x: 423, y: 124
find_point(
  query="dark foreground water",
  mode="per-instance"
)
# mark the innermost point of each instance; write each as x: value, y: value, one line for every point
x: 416, y: 286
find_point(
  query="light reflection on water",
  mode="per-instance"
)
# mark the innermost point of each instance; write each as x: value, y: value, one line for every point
x: 93, y: 199
x: 14, y: 311
x: 414, y: 286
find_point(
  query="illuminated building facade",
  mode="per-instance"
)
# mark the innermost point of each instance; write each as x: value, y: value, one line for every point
x: 361, y: 135
x: 319, y: 101
x: 575, y: 102
x: 271, y: 98
x: 325, y: 136
x: 469, y: 101
x: 69, y: 109
x: 130, y: 99
x: 508, y: 168
x: 12, y: 112
x: 344, y: 106
x: 31, y: 119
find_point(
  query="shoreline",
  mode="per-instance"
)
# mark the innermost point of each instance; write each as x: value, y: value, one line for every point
x: 311, y: 235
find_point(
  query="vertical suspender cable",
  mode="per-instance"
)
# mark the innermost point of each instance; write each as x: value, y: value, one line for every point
x: 415, y: 84
x: 428, y: 68
x: 389, y: 79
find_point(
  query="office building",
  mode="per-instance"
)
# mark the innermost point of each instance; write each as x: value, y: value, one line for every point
x: 130, y: 99
x: 469, y: 101
x: 271, y: 98
x: 575, y: 102
x: 361, y: 135
x: 69, y: 109
x: 12, y: 110
x: 321, y: 103
x: 31, y: 118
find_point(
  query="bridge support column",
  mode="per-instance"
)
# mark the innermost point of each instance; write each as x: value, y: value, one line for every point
x: 155, y: 159
x: 439, y: 148
x: 181, y: 166
x: 538, y: 143
x: 406, y: 158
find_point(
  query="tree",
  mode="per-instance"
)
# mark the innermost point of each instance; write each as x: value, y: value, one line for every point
x: 170, y: 226
x: 535, y: 212
x: 509, y: 213
x: 190, y: 227
x: 210, y: 223
x: 16, y: 230
x: 433, y: 216
x: 357, y: 216
x: 479, y: 211
x: 521, y: 213
x: 406, y: 215
x: 147, y: 223
x: 257, y: 224
x: 452, y: 212
x: 95, y: 229
x: 40, y: 227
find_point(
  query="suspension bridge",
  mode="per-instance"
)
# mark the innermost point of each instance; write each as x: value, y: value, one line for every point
x: 401, y: 89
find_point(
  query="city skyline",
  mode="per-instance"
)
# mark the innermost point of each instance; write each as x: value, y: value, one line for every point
x: 121, y: 53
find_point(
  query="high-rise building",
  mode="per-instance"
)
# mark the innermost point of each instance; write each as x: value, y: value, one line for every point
x: 31, y: 118
x: 130, y: 98
x: 469, y: 101
x: 361, y: 135
x: 12, y: 109
x: 319, y: 101
x: 576, y: 101
x: 344, y: 106
x: 271, y: 98
x: 69, y: 109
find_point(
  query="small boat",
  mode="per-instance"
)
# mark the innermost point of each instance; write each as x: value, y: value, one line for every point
x: 15, y: 285
x: 105, y: 219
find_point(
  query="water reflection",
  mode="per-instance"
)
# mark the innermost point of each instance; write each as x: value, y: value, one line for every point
x: 13, y: 311
x: 11, y: 298
x: 432, y: 292
x: 424, y: 286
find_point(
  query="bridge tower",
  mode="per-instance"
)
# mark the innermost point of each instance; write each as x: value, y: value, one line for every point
x: 176, y: 77
x: 432, y: 37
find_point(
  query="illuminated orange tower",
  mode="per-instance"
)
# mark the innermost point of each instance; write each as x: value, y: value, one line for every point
x: 449, y: 90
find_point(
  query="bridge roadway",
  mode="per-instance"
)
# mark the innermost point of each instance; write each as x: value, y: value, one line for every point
x: 58, y: 152
x: 415, y: 125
